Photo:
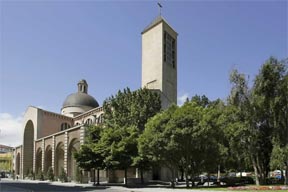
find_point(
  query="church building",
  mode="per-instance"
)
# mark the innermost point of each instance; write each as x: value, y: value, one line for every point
x: 50, y: 139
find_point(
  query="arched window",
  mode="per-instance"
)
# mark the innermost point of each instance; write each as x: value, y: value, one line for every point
x: 65, y: 126
x: 101, y: 119
x: 88, y: 122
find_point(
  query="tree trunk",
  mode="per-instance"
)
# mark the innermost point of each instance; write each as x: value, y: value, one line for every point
x: 141, y: 175
x: 208, y: 179
x: 218, y: 174
x: 186, y: 178
x: 98, y: 179
x: 94, y: 175
x: 286, y: 174
x: 172, y: 179
x: 125, y: 180
x: 255, y: 171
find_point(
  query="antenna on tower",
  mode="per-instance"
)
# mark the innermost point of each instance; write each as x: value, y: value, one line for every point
x: 160, y: 8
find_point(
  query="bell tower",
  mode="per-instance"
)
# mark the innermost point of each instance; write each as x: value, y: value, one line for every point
x: 82, y: 86
x: 159, y: 60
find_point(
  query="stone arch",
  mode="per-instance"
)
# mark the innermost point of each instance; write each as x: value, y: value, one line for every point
x: 100, y: 119
x: 28, y: 147
x: 89, y: 121
x: 59, y: 158
x: 38, y: 160
x: 17, y: 164
x: 48, y: 158
x: 74, y: 146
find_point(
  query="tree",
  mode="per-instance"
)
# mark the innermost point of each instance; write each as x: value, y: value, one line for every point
x: 121, y: 146
x: 259, y: 113
x: 153, y: 143
x: 90, y: 154
x: 183, y: 137
x: 125, y: 116
x: 270, y: 102
x: 131, y: 108
x: 275, y: 75
x: 279, y: 158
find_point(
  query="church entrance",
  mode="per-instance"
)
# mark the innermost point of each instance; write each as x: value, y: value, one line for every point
x: 28, y: 146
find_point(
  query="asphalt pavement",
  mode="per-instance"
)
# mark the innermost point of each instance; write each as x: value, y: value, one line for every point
x: 8, y: 185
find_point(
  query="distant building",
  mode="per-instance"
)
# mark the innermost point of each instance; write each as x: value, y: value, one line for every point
x: 5, y: 149
x: 50, y: 139
x: 6, y: 159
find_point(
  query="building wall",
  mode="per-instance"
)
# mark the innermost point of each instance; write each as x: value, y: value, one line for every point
x: 156, y: 73
x: 152, y: 58
x: 51, y: 123
x: 169, y: 73
x: 74, y: 111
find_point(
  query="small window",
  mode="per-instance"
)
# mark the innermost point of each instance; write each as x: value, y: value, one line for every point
x: 88, y: 122
x: 64, y: 126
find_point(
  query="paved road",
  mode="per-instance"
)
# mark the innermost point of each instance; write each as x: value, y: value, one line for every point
x: 27, y: 186
x: 40, y: 186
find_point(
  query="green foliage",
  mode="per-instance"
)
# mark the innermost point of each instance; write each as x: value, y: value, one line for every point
x: 131, y: 108
x: 40, y: 175
x: 78, y: 175
x: 90, y: 154
x: 279, y: 156
x: 125, y: 117
x: 256, y: 115
x: 184, y: 137
x: 50, y: 174
x: 113, y: 145
x: 31, y: 174
x: 63, y: 175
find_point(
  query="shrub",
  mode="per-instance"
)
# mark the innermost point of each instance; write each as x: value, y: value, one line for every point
x: 50, y: 174
x: 78, y: 175
x: 31, y: 174
x: 63, y: 175
x: 40, y: 175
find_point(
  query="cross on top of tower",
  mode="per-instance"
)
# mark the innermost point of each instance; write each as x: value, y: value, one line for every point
x: 160, y: 8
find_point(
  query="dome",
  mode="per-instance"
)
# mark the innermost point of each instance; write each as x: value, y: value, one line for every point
x: 80, y: 99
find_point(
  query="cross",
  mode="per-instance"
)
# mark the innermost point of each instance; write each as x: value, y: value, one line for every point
x: 160, y: 7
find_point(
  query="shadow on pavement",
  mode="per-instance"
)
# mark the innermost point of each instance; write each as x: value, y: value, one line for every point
x: 48, y: 187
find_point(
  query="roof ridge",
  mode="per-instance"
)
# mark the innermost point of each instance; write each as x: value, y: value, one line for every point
x: 154, y: 22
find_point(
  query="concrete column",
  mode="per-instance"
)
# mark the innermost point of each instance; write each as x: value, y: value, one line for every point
x: 53, y: 154
x: 21, y: 163
x: 82, y: 135
x: 34, y: 157
x: 66, y: 139
x: 43, y: 154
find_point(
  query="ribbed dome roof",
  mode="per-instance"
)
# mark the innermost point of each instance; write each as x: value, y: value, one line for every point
x: 80, y: 99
